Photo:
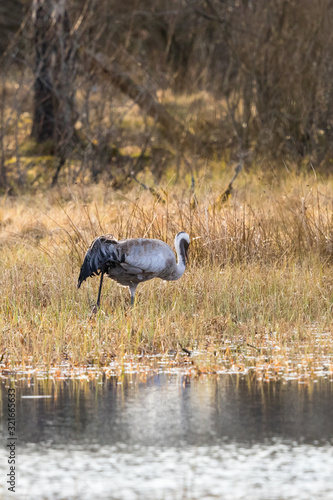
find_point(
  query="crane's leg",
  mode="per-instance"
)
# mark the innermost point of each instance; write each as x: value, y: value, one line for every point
x: 132, y: 291
x: 96, y: 306
x: 100, y: 290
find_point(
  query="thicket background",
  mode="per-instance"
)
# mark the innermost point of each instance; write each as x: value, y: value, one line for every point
x: 103, y: 87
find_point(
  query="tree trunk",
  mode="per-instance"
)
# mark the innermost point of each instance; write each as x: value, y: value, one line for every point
x: 54, y: 114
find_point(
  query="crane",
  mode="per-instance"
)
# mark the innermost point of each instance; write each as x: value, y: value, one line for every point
x: 133, y: 261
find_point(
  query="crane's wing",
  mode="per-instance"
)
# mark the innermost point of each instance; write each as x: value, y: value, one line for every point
x: 103, y: 250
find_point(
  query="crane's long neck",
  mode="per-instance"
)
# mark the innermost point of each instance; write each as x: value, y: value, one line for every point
x: 181, y: 262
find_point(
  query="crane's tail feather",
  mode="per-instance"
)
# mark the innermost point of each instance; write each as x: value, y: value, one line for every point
x: 98, y: 255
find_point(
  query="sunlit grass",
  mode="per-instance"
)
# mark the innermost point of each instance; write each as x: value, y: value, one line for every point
x: 257, y: 294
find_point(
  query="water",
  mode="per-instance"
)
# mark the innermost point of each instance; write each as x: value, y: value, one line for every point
x: 171, y: 437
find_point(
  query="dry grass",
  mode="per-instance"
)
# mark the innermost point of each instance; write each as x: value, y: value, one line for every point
x: 258, y: 292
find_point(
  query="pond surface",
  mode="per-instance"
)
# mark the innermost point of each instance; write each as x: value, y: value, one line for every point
x: 170, y: 437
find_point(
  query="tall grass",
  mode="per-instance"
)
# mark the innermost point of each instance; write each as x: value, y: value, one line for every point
x: 259, y: 282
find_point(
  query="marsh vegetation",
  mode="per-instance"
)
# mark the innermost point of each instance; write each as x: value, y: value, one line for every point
x: 257, y: 292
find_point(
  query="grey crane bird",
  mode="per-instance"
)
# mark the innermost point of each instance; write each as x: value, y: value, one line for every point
x: 132, y: 261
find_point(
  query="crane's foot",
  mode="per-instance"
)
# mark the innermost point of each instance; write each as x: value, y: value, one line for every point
x: 94, y: 311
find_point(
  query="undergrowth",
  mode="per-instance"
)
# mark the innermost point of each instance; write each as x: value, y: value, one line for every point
x: 258, y: 288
